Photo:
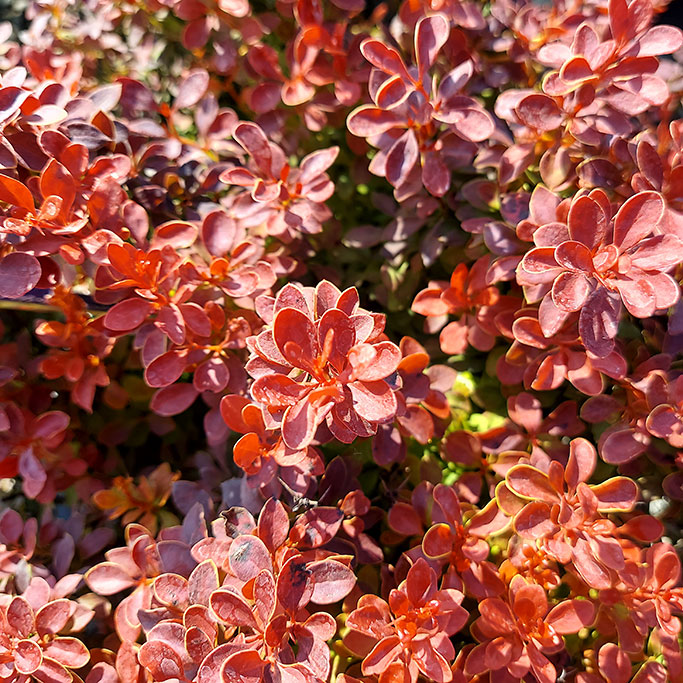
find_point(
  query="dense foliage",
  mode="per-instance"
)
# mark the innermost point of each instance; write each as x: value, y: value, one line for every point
x: 341, y: 343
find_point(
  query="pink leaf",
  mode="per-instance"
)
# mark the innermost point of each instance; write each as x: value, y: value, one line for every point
x: 19, y: 273
x: 20, y: 617
x: 529, y: 482
x: 161, y: 660
x: 392, y: 93
x: 540, y: 112
x: 316, y: 527
x: 586, y: 222
x: 614, y: 663
x: 332, y: 581
x: 244, y: 667
x: 52, y: 617
x: 27, y: 657
x: 660, y: 40
x: 108, y: 578
x: 581, y: 463
x: 383, y: 654
x: 315, y: 164
x: 618, y: 494
x: 248, y: 556
x: 176, y: 234
x: 232, y: 609
x: 50, y: 424
x: 69, y: 652
x: 211, y: 375
x: 620, y: 444
x: 33, y: 474
x: 191, y: 89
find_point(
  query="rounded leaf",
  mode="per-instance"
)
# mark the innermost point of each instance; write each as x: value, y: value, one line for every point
x: 127, y: 315
x: 19, y: 274
x: 248, y: 556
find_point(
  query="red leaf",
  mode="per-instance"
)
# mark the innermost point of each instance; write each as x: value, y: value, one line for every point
x: 211, y: 375
x: 313, y: 165
x: 529, y: 482
x: 294, y: 585
x: 52, y: 617
x: 244, y: 667
x: 618, y: 19
x: 369, y: 120
x: 431, y: 34
x: 599, y: 322
x: 581, y: 463
x: 127, y: 315
x: 166, y: 369
x: 540, y: 112
x: 385, y: 59
x: 586, y: 222
x: 252, y: 138
x: 291, y: 326
x: 176, y: 234
x: 574, y: 256
x: 435, y: 174
x: 56, y: 180
x: 33, y: 474
x: 170, y: 322
x: 316, y: 527
x: 232, y: 609
x: 50, y: 424
x: 373, y: 401
x: 438, y: 541
x: 660, y: 40
x: 637, y: 218
x: 383, y: 654
x: 391, y: 93
x: 539, y: 260
x: 401, y: 159
x: 639, y: 295
x: 614, y: 663
x: 534, y: 521
x: 570, y: 616
x: 301, y: 420
x: 403, y: 519
x: 173, y: 400
x: 16, y: 193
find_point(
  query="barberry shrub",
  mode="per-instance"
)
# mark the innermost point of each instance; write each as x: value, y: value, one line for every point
x: 341, y: 342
